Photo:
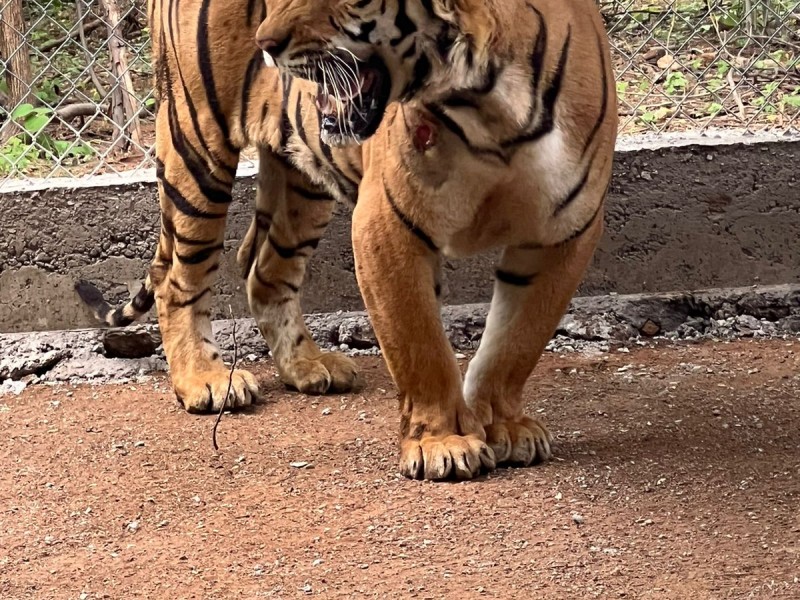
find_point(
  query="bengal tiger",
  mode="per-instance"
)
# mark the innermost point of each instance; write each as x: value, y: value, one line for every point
x: 452, y: 126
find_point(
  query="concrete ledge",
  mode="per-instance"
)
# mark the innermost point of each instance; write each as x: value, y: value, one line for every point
x: 597, y: 323
x: 711, y: 211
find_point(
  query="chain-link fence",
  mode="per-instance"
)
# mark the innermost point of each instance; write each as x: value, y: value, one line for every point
x: 76, y: 80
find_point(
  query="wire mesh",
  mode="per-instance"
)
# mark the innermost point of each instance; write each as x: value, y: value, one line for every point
x: 76, y: 77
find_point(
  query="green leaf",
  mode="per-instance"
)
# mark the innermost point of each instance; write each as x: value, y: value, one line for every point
x: 36, y: 123
x: 793, y: 101
x: 22, y: 111
x: 61, y: 147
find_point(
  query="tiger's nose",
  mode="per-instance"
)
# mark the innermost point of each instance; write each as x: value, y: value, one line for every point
x: 273, y: 47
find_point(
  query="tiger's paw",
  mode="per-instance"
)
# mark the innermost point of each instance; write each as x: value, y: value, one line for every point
x: 520, y: 443
x: 205, y: 391
x: 445, y: 457
x: 331, y: 372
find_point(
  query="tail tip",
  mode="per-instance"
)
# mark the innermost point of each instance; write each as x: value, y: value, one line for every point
x: 89, y: 293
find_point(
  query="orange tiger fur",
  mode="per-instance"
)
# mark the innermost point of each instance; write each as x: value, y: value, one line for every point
x: 455, y: 126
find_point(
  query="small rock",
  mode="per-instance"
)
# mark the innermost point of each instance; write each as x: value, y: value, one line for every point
x: 12, y: 387
x: 129, y: 344
x: 326, y: 411
x: 650, y: 328
x: 133, y: 526
x: 301, y: 465
x: 579, y: 520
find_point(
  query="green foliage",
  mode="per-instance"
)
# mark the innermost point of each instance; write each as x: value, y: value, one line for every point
x: 21, y: 150
x: 676, y: 82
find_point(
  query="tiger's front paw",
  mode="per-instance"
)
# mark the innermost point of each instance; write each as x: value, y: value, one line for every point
x: 445, y: 457
x: 205, y: 391
x: 520, y: 443
x: 331, y: 372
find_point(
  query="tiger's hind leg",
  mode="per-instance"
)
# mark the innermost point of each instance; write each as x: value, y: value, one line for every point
x: 532, y: 291
x: 194, y: 195
x: 291, y: 216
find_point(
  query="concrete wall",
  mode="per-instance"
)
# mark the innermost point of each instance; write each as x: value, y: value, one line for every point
x: 698, y: 213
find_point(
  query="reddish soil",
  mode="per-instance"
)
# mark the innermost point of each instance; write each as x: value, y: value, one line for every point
x: 676, y: 478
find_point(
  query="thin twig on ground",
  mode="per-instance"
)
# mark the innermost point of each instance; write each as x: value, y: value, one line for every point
x: 230, y: 383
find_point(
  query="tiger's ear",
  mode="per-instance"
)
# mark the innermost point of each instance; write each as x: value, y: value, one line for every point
x: 472, y: 17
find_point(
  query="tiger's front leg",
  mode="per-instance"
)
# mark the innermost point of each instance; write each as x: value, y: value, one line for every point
x: 395, y: 260
x: 532, y: 291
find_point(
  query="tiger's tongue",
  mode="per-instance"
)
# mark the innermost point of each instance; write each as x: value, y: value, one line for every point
x: 326, y: 104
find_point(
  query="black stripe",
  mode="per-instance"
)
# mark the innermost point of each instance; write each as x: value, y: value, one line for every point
x: 198, y: 131
x: 274, y: 286
x: 549, y: 98
x: 174, y: 283
x: 179, y: 200
x: 287, y: 252
x: 190, y: 242
x: 513, y: 278
x: 202, y: 176
x: 251, y: 10
x: 422, y: 68
x: 205, y: 65
x: 298, y: 121
x: 363, y: 35
x: 200, y: 256
x: 459, y: 132
x: 286, y: 125
x: 143, y: 300
x: 604, y: 102
x: 169, y: 230
x: 403, y: 23
x: 252, y: 70
x: 575, y: 191
x: 251, y: 258
x: 408, y: 222
x: 118, y: 318
x: 578, y: 233
x: 193, y: 300
x: 465, y: 98
x: 318, y: 196
x: 263, y: 219
x: 537, y: 58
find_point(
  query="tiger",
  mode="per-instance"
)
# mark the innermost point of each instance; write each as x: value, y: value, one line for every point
x: 450, y: 127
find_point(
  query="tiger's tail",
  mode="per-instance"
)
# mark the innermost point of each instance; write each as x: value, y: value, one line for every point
x: 122, y: 315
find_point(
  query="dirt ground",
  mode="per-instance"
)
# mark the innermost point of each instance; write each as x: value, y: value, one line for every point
x: 677, y: 476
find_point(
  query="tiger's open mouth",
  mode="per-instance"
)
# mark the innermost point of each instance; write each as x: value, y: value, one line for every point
x: 352, y: 96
